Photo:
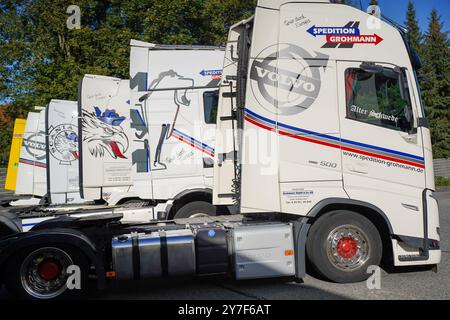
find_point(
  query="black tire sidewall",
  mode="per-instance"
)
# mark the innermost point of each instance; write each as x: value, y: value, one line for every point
x: 12, y: 273
x: 196, y: 207
x: 316, y: 247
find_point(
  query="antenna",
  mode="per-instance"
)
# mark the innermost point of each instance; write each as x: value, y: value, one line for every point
x: 395, y: 24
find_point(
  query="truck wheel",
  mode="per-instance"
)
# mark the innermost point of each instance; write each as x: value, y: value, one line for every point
x: 41, y: 273
x: 341, y: 246
x: 196, y: 209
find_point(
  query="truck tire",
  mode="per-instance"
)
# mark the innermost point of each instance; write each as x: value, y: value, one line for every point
x: 40, y: 273
x: 196, y: 209
x: 341, y: 245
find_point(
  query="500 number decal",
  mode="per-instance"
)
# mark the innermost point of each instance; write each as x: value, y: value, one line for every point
x: 328, y: 164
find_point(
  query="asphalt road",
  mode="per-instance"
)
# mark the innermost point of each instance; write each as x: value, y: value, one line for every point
x: 401, y: 284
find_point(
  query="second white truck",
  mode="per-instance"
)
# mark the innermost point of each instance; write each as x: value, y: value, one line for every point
x: 153, y: 142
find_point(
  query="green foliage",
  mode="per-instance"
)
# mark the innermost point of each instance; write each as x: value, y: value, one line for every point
x: 41, y: 59
x: 221, y: 15
x: 5, y: 142
x: 436, y: 89
x: 415, y: 37
x: 172, y: 22
x: 442, y: 182
x: 433, y: 48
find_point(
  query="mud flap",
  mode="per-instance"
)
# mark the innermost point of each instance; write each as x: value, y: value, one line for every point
x: 10, y: 224
x: 301, y: 228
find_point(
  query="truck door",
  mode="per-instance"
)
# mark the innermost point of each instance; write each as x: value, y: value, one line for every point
x: 171, y: 128
x: 382, y: 148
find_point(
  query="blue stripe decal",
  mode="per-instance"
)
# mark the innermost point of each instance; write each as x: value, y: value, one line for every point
x: 194, y: 140
x: 335, y: 138
x: 260, y: 117
x: 29, y: 225
x: 383, y: 149
x: 191, y: 139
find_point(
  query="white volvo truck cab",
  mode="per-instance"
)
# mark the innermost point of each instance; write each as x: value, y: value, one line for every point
x: 320, y: 116
x: 48, y: 167
x: 172, y: 118
x: 32, y: 171
x: 104, y: 130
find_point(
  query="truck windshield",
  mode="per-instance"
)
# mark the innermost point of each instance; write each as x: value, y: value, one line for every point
x: 380, y: 99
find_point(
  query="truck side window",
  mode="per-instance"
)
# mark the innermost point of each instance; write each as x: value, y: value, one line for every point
x: 210, y: 104
x: 380, y: 99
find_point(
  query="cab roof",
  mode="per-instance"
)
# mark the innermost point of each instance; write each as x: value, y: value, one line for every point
x: 276, y: 4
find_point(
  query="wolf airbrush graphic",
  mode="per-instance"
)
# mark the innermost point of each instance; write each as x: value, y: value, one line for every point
x: 104, y: 134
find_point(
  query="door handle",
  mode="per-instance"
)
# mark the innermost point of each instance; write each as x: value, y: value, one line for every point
x: 410, y: 207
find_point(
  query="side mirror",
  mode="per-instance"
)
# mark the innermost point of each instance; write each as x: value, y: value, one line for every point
x: 423, y: 122
x: 415, y: 60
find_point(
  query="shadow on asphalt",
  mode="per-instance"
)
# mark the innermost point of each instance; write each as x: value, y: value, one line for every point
x: 211, y: 288
x: 411, y: 269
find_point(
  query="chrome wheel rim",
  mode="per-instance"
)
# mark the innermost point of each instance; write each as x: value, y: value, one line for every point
x: 43, y: 273
x: 348, y: 248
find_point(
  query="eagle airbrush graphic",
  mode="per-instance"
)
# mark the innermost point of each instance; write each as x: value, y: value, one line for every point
x: 103, y: 133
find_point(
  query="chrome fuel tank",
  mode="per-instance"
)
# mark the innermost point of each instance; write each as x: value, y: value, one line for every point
x: 157, y: 254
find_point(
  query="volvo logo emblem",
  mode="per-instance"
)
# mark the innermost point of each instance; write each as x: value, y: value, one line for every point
x: 286, y: 79
x: 35, y: 145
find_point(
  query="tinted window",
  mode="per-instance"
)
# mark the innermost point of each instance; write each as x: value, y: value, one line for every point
x: 380, y: 99
x: 210, y: 104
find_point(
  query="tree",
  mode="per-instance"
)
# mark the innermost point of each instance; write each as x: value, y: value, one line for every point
x: 221, y: 15
x: 436, y: 90
x: 199, y: 22
x: 414, y: 35
x: 174, y: 22
x: 41, y: 59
